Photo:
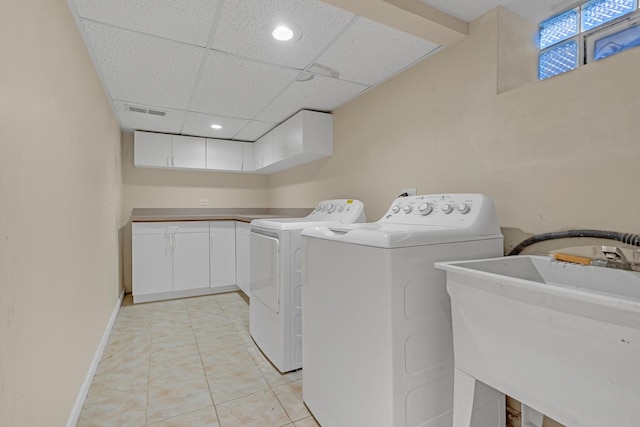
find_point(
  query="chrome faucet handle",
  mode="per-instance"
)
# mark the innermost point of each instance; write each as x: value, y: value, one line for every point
x: 615, y: 256
x: 613, y: 253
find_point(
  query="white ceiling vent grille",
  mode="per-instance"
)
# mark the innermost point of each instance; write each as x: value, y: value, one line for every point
x: 143, y: 110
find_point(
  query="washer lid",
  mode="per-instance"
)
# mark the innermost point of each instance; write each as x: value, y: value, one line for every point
x: 389, y: 236
x: 422, y: 220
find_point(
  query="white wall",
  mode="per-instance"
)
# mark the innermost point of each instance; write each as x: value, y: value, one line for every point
x: 60, y: 212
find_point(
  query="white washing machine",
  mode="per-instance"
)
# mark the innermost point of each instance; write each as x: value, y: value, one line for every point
x: 378, y: 348
x: 275, y: 308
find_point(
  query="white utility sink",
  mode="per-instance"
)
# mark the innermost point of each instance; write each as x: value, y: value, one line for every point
x: 562, y: 338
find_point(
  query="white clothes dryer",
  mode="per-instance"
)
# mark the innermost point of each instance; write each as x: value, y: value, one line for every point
x: 275, y: 308
x: 378, y: 348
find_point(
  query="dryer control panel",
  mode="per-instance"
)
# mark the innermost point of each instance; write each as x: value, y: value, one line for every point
x: 461, y: 210
x: 345, y: 210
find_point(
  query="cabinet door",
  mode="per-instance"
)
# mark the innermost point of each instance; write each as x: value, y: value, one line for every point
x: 224, y: 155
x: 287, y: 138
x: 191, y: 261
x: 152, y: 263
x: 317, y: 133
x: 242, y: 256
x: 188, y: 152
x: 151, y: 149
x: 248, y: 162
x: 263, y: 155
x: 223, y: 253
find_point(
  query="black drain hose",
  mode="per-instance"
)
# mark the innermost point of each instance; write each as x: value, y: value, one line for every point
x: 629, y: 239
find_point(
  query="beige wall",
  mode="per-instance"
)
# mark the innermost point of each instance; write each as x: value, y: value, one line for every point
x: 556, y: 154
x: 60, y: 211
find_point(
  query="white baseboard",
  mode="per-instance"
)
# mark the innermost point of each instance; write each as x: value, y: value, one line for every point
x: 82, y: 395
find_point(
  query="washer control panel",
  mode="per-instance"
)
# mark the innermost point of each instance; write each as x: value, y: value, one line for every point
x: 438, y: 209
x: 345, y: 210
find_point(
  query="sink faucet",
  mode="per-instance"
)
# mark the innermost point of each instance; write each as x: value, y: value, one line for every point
x: 613, y: 258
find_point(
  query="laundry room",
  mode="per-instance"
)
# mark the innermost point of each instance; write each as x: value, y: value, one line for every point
x: 470, y: 117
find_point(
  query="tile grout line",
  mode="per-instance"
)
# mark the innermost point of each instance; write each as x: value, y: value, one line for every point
x: 204, y: 371
x: 163, y: 315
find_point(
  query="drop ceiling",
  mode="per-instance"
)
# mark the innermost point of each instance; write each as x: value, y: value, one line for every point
x: 179, y: 66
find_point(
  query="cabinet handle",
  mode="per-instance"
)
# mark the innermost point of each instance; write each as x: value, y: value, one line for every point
x: 168, y: 162
x: 173, y: 161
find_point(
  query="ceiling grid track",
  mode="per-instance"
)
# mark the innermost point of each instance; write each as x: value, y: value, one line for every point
x: 212, y: 33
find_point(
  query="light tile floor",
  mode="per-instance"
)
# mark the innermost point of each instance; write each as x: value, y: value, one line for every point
x: 190, y: 363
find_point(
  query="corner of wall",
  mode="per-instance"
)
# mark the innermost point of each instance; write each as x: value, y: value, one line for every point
x: 517, y: 51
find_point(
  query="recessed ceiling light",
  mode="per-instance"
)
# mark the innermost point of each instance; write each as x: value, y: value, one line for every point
x: 216, y: 127
x: 282, y: 33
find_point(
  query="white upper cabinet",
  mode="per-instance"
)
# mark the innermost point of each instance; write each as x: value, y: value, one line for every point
x: 305, y: 137
x: 188, y: 152
x: 287, y: 139
x: 248, y: 152
x: 224, y: 155
x: 152, y: 149
x: 263, y: 151
x: 167, y: 151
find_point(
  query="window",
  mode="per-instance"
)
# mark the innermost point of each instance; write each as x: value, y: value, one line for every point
x: 594, y: 30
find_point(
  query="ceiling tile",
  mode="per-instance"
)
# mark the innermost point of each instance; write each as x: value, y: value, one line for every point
x: 370, y: 52
x: 318, y: 93
x: 131, y: 121
x: 235, y: 87
x: 254, y: 130
x: 189, y: 21
x: 198, y: 124
x: 245, y: 29
x: 143, y: 68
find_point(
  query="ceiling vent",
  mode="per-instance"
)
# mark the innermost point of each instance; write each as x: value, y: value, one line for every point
x: 143, y: 110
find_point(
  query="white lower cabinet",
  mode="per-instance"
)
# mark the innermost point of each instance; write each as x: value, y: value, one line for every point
x: 181, y: 259
x: 222, y: 271
x: 243, y: 231
x: 152, y: 262
x: 191, y: 260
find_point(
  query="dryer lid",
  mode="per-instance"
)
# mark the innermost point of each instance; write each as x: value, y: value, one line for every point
x: 327, y: 212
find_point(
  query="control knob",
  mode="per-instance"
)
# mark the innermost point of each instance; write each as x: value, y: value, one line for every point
x: 407, y: 209
x: 340, y: 208
x: 395, y: 209
x: 447, y: 208
x: 323, y: 208
x: 425, y: 209
x: 464, y: 208
x: 331, y: 208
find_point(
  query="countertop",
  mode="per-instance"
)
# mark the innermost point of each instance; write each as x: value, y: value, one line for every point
x: 215, y: 214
